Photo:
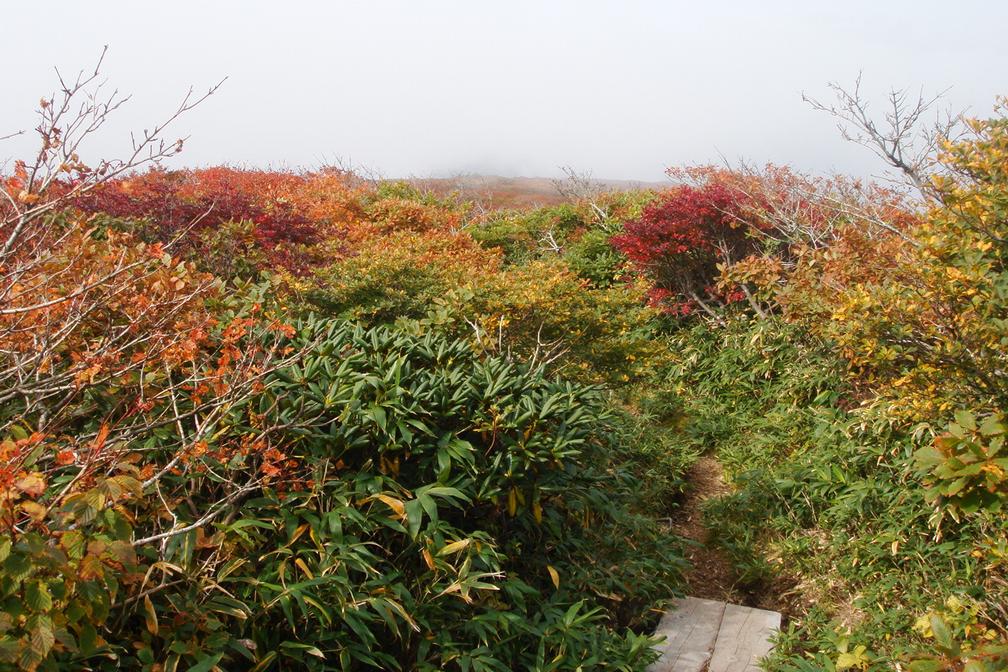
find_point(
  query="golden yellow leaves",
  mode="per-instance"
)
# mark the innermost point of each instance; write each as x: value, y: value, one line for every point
x: 554, y: 576
x: 395, y: 504
x: 919, y: 323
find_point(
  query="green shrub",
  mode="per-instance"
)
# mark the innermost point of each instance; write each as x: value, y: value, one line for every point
x: 463, y: 514
x: 965, y: 470
x: 526, y: 235
x: 830, y: 500
x: 435, y: 509
x: 578, y: 232
x: 594, y: 259
x: 750, y: 387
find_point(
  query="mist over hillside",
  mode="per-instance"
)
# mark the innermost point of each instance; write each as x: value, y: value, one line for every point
x: 520, y: 192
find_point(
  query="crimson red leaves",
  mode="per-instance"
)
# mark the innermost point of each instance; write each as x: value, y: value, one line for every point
x: 192, y: 201
x: 680, y: 239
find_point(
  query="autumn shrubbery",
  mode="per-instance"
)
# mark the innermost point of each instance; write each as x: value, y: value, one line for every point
x: 680, y: 240
x: 578, y: 232
x: 854, y: 390
x: 276, y: 421
x: 392, y: 253
x: 419, y: 264
x: 196, y: 478
x: 193, y: 204
x: 121, y: 366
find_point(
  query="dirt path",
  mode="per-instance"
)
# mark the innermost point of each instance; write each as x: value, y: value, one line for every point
x: 711, y: 576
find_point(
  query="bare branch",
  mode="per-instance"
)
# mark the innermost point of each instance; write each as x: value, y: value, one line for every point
x: 902, y: 137
x: 57, y: 176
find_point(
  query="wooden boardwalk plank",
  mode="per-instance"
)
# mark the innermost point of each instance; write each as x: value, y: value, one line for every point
x: 690, y: 630
x: 744, y: 639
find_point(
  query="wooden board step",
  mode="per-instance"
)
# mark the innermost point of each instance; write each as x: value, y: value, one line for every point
x: 707, y: 635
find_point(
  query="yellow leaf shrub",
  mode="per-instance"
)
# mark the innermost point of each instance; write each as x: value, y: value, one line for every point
x: 923, y: 318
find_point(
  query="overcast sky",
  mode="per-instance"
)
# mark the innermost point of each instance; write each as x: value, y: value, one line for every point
x: 621, y: 88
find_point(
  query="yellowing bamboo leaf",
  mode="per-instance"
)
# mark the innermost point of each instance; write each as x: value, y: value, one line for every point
x: 454, y: 547
x: 554, y: 576
x: 394, y: 504
x: 150, y: 616
x: 304, y: 568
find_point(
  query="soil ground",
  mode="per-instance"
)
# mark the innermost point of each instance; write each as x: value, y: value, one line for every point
x: 711, y: 575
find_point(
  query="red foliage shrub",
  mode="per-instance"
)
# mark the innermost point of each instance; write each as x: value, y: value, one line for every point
x: 680, y: 239
x: 192, y: 201
x: 715, y: 237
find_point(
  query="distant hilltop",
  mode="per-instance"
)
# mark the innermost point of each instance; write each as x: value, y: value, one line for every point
x: 521, y: 192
